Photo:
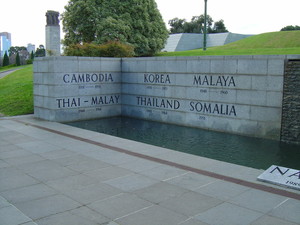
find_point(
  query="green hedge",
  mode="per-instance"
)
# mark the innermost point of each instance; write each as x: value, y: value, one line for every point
x: 110, y: 49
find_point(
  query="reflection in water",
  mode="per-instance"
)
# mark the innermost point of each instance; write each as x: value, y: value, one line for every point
x: 247, y: 151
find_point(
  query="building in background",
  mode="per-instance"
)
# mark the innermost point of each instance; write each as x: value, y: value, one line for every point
x: 5, y: 43
x: 189, y: 41
x: 31, y: 48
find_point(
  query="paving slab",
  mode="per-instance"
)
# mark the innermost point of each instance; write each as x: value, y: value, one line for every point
x: 119, y: 206
x: 51, y: 173
x: 65, y: 218
x: 92, y: 193
x: 269, y: 220
x: 163, y: 172
x: 223, y: 190
x: 77, y: 181
x: 16, y: 181
x: 28, y: 193
x: 108, y: 173
x: 288, y: 210
x: 47, y: 206
x: 12, y: 216
x: 258, y: 200
x: 228, y: 214
x: 154, y: 215
x: 131, y: 182
x: 160, y: 192
x: 191, y: 181
x: 190, y: 203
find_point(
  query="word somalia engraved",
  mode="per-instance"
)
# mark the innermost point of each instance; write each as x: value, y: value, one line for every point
x: 87, y: 78
x: 213, y: 108
x: 222, y: 81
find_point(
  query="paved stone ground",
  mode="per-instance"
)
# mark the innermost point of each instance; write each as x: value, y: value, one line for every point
x: 54, y: 174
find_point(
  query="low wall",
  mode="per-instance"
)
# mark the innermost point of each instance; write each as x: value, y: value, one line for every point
x: 71, y: 88
x: 236, y: 94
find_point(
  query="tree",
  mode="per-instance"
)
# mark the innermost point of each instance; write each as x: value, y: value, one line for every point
x: 177, y: 25
x: 196, y: 25
x: 18, y: 63
x: 5, y: 60
x: 15, y: 49
x: 290, y: 28
x: 219, y: 27
x: 40, y: 51
x: 135, y: 22
x: 32, y: 55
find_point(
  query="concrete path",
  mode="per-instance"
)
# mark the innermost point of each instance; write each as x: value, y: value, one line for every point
x: 54, y: 174
x: 5, y: 73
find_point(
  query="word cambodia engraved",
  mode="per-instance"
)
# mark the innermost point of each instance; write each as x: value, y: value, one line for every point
x: 87, y: 78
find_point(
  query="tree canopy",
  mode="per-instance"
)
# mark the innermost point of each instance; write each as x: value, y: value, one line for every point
x: 196, y: 25
x: 40, y: 51
x: 5, y: 59
x: 15, y: 49
x: 135, y: 22
x: 290, y: 28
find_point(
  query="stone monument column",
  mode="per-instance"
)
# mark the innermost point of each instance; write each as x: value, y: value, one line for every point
x: 52, y: 34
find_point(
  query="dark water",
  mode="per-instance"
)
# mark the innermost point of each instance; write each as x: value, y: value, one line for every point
x: 246, y: 151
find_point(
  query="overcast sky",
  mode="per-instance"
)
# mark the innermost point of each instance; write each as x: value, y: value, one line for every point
x: 26, y: 20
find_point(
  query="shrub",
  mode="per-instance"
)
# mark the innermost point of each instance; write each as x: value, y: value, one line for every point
x: 110, y: 49
x: 116, y: 49
x: 29, y: 61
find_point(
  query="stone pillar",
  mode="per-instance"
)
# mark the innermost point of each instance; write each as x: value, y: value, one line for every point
x: 52, y: 34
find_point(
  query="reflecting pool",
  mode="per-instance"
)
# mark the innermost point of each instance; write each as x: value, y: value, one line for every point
x: 246, y: 151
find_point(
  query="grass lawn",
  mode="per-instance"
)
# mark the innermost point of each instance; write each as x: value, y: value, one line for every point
x: 218, y: 51
x: 5, y: 68
x: 16, y: 92
x: 274, y: 43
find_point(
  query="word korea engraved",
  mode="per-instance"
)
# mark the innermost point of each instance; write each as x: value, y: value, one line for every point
x: 281, y: 176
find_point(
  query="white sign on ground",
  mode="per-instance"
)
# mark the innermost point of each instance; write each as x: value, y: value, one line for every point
x: 281, y: 176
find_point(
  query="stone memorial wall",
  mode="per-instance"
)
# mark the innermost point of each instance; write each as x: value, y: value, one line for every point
x: 71, y: 88
x: 236, y: 94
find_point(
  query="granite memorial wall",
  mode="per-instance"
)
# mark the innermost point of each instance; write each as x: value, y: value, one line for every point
x: 236, y: 94
x: 71, y: 88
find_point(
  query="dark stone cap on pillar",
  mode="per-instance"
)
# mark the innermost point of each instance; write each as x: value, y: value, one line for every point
x: 52, y: 18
